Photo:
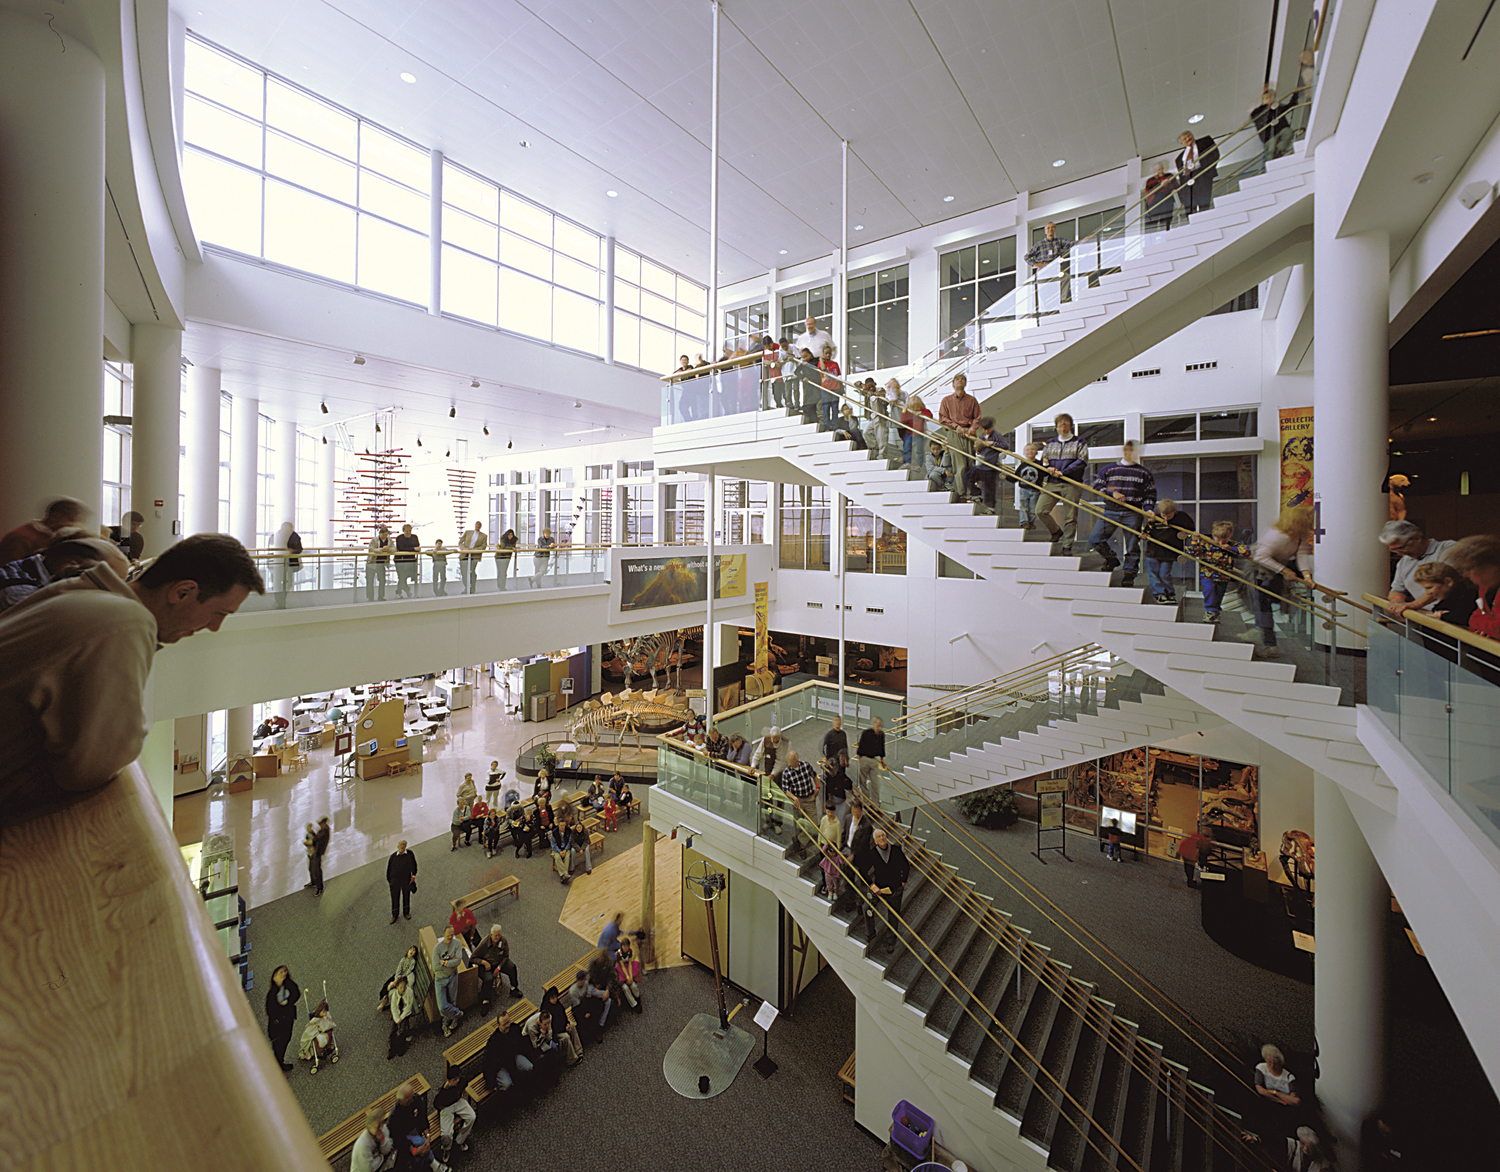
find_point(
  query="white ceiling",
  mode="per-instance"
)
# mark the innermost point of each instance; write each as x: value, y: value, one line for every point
x: 969, y: 98
x: 292, y: 378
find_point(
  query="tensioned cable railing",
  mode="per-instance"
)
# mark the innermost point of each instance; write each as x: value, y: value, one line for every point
x: 772, y: 801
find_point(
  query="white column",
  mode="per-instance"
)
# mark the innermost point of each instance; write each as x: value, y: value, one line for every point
x: 435, y: 238
x: 710, y: 635
x: 1351, y: 399
x: 840, y: 567
x: 244, y: 481
x: 1349, y: 986
x: 52, y: 277
x: 284, y: 434
x: 841, y: 278
x: 327, y: 505
x: 156, y: 432
x: 609, y: 300
x: 715, y: 325
x: 239, y: 732
x: 202, y: 443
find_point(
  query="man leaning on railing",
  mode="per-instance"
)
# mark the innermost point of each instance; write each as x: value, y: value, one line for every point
x: 75, y: 657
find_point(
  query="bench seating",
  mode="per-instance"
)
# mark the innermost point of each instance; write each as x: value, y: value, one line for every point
x: 510, y: 884
x: 566, y: 978
x: 846, y: 1079
x: 337, y: 1142
x: 471, y: 1045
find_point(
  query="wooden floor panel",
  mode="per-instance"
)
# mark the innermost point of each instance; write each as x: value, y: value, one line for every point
x: 615, y: 886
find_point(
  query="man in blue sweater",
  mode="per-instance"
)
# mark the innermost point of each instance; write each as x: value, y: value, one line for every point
x: 1127, y: 483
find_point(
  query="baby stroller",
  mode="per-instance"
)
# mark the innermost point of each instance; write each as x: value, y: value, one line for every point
x: 319, y: 1042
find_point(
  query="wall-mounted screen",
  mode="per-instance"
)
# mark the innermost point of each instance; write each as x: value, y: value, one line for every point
x: 1108, y: 814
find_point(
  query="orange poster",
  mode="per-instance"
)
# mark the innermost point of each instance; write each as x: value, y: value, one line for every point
x: 1296, y: 456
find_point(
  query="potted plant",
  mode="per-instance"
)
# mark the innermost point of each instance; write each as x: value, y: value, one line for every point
x: 546, y: 760
x: 992, y: 809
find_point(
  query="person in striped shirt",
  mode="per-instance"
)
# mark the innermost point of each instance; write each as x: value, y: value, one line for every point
x: 1127, y: 483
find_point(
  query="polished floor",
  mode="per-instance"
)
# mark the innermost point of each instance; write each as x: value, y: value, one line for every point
x: 368, y: 817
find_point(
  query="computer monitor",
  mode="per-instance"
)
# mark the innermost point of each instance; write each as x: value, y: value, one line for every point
x: 1108, y: 814
x: 400, y: 742
x: 371, y: 747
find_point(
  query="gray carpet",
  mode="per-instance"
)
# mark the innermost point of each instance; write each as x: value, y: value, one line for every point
x: 344, y: 938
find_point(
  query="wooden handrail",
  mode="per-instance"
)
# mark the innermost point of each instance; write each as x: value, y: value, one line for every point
x: 122, y: 1013
x: 1423, y: 619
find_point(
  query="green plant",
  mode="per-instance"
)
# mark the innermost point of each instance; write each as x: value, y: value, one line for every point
x: 992, y: 809
x: 546, y: 760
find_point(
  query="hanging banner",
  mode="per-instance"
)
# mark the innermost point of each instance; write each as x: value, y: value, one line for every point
x: 1296, y: 457
x: 731, y: 576
x: 762, y: 629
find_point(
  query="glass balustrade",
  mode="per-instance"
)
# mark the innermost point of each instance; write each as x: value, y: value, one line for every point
x: 1437, y: 689
x: 338, y: 577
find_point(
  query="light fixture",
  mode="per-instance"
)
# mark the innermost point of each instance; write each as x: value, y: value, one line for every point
x: 1471, y: 193
x: 1195, y: 119
x: 947, y: 199
x: 474, y: 384
x: 612, y: 194
x: 524, y: 143
x: 448, y: 453
x: 359, y: 360
x: 419, y: 441
x: 452, y: 412
x: 1432, y: 419
x: 577, y: 403
x: 408, y: 79
x: 486, y: 429
x: 586, y: 431
x: 859, y: 227
x: 325, y: 407
x: 377, y: 428
x: 1423, y: 179
x: 325, y: 441
x: 509, y: 444
x: 783, y: 252
x: 1058, y: 162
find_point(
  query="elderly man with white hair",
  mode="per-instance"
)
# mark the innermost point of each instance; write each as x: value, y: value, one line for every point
x: 1407, y: 541
x: 492, y: 958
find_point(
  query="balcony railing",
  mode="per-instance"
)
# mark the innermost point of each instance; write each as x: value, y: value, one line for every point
x: 121, y: 1015
x: 1437, y: 688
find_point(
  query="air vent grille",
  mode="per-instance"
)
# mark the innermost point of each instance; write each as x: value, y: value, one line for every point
x: 1192, y: 366
x: 815, y: 605
x: 874, y: 610
x: 1146, y: 373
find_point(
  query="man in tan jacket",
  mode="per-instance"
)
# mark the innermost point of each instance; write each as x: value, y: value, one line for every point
x: 75, y: 657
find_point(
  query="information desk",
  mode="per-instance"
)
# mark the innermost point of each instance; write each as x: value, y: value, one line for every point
x: 1259, y: 932
x: 378, y: 764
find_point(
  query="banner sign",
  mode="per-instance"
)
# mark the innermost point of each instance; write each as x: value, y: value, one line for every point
x: 1296, y: 457
x: 649, y: 582
x: 1051, y: 810
x: 1052, y: 785
x: 762, y: 665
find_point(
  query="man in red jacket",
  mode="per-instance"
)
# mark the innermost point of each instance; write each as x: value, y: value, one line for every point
x: 34, y: 536
x: 1193, y: 850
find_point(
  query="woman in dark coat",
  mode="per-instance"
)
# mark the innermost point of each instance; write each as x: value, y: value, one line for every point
x: 281, y: 1012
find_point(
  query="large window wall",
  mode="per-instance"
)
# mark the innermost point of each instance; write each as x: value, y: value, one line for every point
x: 306, y: 520
x: 115, y: 472
x: 275, y: 172
x: 659, y: 315
x: 797, y: 307
x: 745, y: 326
x: 971, y: 280
x: 879, y: 306
x: 806, y: 525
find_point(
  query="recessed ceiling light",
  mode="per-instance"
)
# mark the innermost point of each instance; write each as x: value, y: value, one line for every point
x: 1424, y: 178
x: 408, y: 79
x: 947, y: 199
x: 359, y: 360
x: 1195, y: 119
x: 612, y: 194
x: 859, y: 227
x: 783, y: 252
x: 1058, y: 162
x: 474, y: 384
x: 524, y: 143
x: 1432, y: 419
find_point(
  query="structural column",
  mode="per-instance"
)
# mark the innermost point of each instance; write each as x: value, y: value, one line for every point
x: 239, y: 733
x: 244, y: 479
x: 202, y: 444
x: 1351, y: 397
x: 156, y: 432
x: 710, y: 634
x: 1349, y: 979
x: 284, y: 435
x: 51, y: 268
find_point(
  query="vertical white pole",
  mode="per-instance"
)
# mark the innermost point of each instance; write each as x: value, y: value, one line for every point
x: 609, y: 300
x: 715, y: 326
x: 710, y: 635
x: 840, y: 566
x: 435, y: 238
x: 841, y: 286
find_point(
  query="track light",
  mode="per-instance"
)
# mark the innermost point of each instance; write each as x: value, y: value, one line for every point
x: 486, y: 429
x: 324, y: 406
x: 325, y: 441
x: 577, y: 403
x: 452, y: 412
x: 448, y: 453
x: 474, y: 384
x: 509, y: 444
x: 419, y: 441
x: 377, y: 429
x: 359, y: 360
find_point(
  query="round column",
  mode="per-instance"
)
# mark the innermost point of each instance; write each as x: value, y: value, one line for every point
x: 244, y: 468
x: 284, y: 436
x: 1351, y: 399
x: 52, y: 273
x: 202, y: 443
x: 156, y: 432
x: 239, y: 732
x: 327, y: 507
x: 1349, y: 983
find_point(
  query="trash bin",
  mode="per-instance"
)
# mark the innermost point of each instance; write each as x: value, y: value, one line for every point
x: 911, y: 1129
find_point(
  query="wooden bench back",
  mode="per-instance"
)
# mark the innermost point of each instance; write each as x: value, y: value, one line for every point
x: 472, y: 1044
x: 339, y: 1140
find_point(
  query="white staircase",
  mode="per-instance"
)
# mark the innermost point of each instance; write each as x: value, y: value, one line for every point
x: 1166, y: 281
x: 1060, y: 741
x: 1303, y: 720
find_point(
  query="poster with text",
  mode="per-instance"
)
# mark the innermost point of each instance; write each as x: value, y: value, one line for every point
x: 1296, y: 456
x: 671, y: 580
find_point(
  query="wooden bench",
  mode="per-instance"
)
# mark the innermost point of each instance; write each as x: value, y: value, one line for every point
x: 337, y: 1142
x: 846, y: 1079
x: 596, y: 843
x: 471, y: 1045
x: 393, y: 768
x: 565, y: 978
x: 509, y: 885
x: 632, y: 807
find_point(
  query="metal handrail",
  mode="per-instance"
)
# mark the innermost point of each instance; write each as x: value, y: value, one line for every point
x: 1421, y: 618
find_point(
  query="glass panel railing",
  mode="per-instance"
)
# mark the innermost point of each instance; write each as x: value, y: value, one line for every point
x: 1437, y: 688
x: 339, y: 577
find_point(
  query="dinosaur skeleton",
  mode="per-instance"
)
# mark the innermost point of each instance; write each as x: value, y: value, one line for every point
x: 622, y: 717
x: 656, y: 651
